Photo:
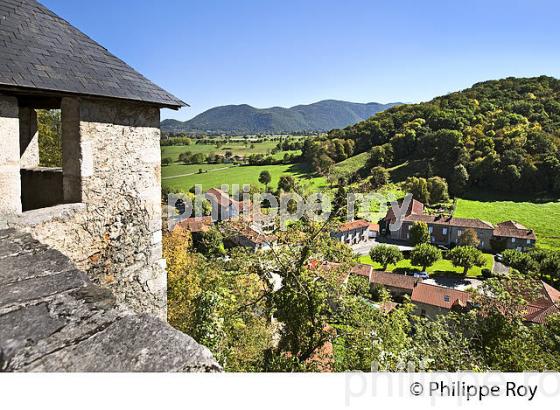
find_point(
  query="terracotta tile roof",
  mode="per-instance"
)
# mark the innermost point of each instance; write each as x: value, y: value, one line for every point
x: 362, y: 270
x: 395, y: 280
x: 374, y: 227
x: 357, y: 224
x: 44, y: 52
x: 512, y: 229
x: 537, y: 314
x: 388, y: 306
x: 414, y: 208
x: 450, y: 221
x: 547, y: 303
x: 196, y: 224
x: 439, y: 296
x: 218, y: 196
x: 222, y: 198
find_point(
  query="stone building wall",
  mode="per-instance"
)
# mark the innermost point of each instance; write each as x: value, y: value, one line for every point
x: 110, y: 225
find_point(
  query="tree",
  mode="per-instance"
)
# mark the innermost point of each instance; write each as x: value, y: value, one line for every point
x: 425, y: 255
x: 418, y: 187
x: 50, y: 138
x: 465, y: 257
x: 469, y: 238
x: 287, y: 183
x: 385, y: 255
x: 379, y: 177
x: 166, y: 161
x: 209, y: 243
x: 459, y: 179
x: 265, y: 178
x: 438, y: 190
x: 523, y: 262
x: 419, y: 233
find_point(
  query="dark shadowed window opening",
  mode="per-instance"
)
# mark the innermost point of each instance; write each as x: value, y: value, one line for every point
x: 40, y: 153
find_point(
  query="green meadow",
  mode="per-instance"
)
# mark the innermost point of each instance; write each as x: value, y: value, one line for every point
x: 543, y: 217
x: 441, y: 267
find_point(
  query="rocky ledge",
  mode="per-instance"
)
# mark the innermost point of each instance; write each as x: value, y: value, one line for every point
x: 52, y: 318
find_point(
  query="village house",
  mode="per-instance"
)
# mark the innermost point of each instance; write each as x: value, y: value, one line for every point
x: 197, y: 224
x: 224, y: 207
x: 432, y: 300
x: 540, y: 306
x: 252, y: 238
x: 513, y: 235
x: 353, y: 232
x: 397, y: 284
x: 447, y: 230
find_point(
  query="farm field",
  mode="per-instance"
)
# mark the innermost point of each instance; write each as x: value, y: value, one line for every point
x: 544, y: 218
x: 236, y: 147
x: 243, y: 175
x: 442, y: 266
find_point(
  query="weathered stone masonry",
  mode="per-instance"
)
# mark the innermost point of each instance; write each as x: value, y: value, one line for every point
x: 111, y: 166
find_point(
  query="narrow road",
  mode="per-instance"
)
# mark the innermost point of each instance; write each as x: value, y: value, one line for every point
x: 194, y: 173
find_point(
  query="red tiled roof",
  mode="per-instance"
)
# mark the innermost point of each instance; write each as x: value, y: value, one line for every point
x: 362, y: 270
x: 218, y: 196
x: 450, y: 221
x: 357, y: 224
x: 414, y: 208
x: 439, y: 296
x: 512, y: 229
x: 196, y: 224
x: 547, y: 303
x: 395, y: 280
x: 374, y: 227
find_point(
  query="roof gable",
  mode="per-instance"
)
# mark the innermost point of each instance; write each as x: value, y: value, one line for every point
x: 44, y: 52
x: 439, y: 296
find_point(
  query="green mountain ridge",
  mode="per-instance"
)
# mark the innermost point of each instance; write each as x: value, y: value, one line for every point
x: 499, y: 135
x: 245, y: 119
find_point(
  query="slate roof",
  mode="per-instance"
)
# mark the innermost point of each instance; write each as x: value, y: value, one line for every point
x: 41, y: 51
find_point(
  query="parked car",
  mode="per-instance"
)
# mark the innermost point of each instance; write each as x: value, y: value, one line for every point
x: 421, y: 275
x: 499, y: 257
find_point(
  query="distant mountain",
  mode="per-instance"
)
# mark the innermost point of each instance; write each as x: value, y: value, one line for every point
x: 244, y: 119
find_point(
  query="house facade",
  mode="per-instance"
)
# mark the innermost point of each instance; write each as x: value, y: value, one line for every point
x: 432, y: 300
x: 353, y: 232
x: 513, y: 235
x: 447, y: 230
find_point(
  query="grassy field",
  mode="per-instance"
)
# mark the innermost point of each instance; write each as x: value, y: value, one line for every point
x: 181, y: 176
x: 244, y: 175
x: 542, y: 217
x: 441, y: 267
x: 351, y: 165
x: 236, y: 147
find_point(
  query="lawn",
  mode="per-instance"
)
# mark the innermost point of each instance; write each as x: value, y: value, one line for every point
x: 542, y: 217
x: 244, y: 175
x: 441, y: 267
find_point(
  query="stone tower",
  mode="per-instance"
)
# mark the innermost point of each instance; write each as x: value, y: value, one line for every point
x: 102, y: 207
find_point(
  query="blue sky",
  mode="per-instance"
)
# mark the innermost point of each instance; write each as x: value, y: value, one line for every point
x: 266, y: 53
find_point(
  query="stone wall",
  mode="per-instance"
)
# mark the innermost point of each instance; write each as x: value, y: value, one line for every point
x: 10, y: 187
x: 111, y: 164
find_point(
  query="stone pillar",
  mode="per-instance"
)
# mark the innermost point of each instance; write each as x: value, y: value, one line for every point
x: 10, y: 183
x: 71, y: 150
x: 28, y: 138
